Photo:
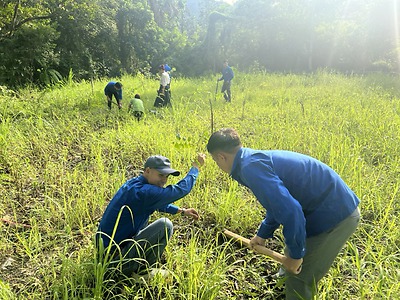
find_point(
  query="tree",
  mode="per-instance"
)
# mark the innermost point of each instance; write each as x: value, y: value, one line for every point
x: 27, y: 43
x: 88, y: 37
x: 16, y: 13
x: 139, y: 37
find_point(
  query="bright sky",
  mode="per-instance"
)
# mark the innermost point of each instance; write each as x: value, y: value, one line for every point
x: 229, y: 1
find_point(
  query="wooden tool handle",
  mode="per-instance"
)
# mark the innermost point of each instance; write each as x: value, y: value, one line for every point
x: 258, y: 248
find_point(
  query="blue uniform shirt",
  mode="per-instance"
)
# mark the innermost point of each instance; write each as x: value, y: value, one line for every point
x: 137, y: 200
x: 227, y: 74
x: 303, y: 194
x: 111, y: 90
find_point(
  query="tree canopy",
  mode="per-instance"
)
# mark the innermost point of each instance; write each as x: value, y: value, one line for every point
x: 42, y: 41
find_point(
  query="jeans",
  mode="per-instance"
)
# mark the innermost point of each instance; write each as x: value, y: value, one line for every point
x: 321, y: 251
x: 144, y: 250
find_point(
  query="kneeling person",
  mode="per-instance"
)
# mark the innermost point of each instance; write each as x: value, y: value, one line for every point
x: 124, y: 233
x: 136, y: 107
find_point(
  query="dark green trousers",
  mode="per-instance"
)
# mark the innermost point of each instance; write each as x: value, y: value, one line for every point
x: 321, y: 251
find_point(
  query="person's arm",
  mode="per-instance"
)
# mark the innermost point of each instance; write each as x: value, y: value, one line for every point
x: 158, y: 198
x: 284, y: 209
x: 106, y: 89
x: 230, y: 74
x: 173, y: 209
x: 169, y: 208
x: 118, y: 97
x: 267, y: 226
x: 191, y: 212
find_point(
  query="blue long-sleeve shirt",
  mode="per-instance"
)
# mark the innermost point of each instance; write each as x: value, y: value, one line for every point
x: 227, y: 74
x: 137, y: 200
x: 303, y: 194
x: 111, y: 90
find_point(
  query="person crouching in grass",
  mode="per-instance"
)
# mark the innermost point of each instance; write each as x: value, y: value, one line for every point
x: 124, y: 236
x: 136, y: 107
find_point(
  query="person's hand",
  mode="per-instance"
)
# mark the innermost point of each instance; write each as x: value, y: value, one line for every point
x: 191, y: 212
x: 199, y: 161
x: 293, y: 265
x: 290, y: 264
x: 256, y: 240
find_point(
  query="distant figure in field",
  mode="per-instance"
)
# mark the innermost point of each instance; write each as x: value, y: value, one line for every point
x: 163, y: 94
x: 136, y: 107
x: 167, y: 68
x: 133, y: 244
x: 227, y: 76
x: 316, y: 208
x: 113, y: 89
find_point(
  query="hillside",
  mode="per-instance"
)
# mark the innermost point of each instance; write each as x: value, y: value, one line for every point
x: 63, y: 155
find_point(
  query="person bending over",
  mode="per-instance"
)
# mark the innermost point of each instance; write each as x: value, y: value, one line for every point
x: 316, y: 208
x: 113, y: 89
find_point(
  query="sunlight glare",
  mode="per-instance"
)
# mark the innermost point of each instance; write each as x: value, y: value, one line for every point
x: 229, y: 1
x: 396, y: 31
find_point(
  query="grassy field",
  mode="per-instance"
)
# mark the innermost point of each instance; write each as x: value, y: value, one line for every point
x: 63, y: 155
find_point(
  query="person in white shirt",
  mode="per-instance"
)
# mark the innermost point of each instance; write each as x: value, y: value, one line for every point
x: 163, y: 93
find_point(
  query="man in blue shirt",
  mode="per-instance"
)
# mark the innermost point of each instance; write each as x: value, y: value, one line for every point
x: 113, y: 89
x: 317, y: 210
x: 227, y: 76
x: 124, y: 236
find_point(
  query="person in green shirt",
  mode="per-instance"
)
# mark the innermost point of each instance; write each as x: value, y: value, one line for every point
x: 136, y: 107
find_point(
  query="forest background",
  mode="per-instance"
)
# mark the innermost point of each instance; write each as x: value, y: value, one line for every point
x: 41, y: 42
x: 63, y: 153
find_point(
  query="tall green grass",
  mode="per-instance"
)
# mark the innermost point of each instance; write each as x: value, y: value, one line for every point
x: 63, y: 155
